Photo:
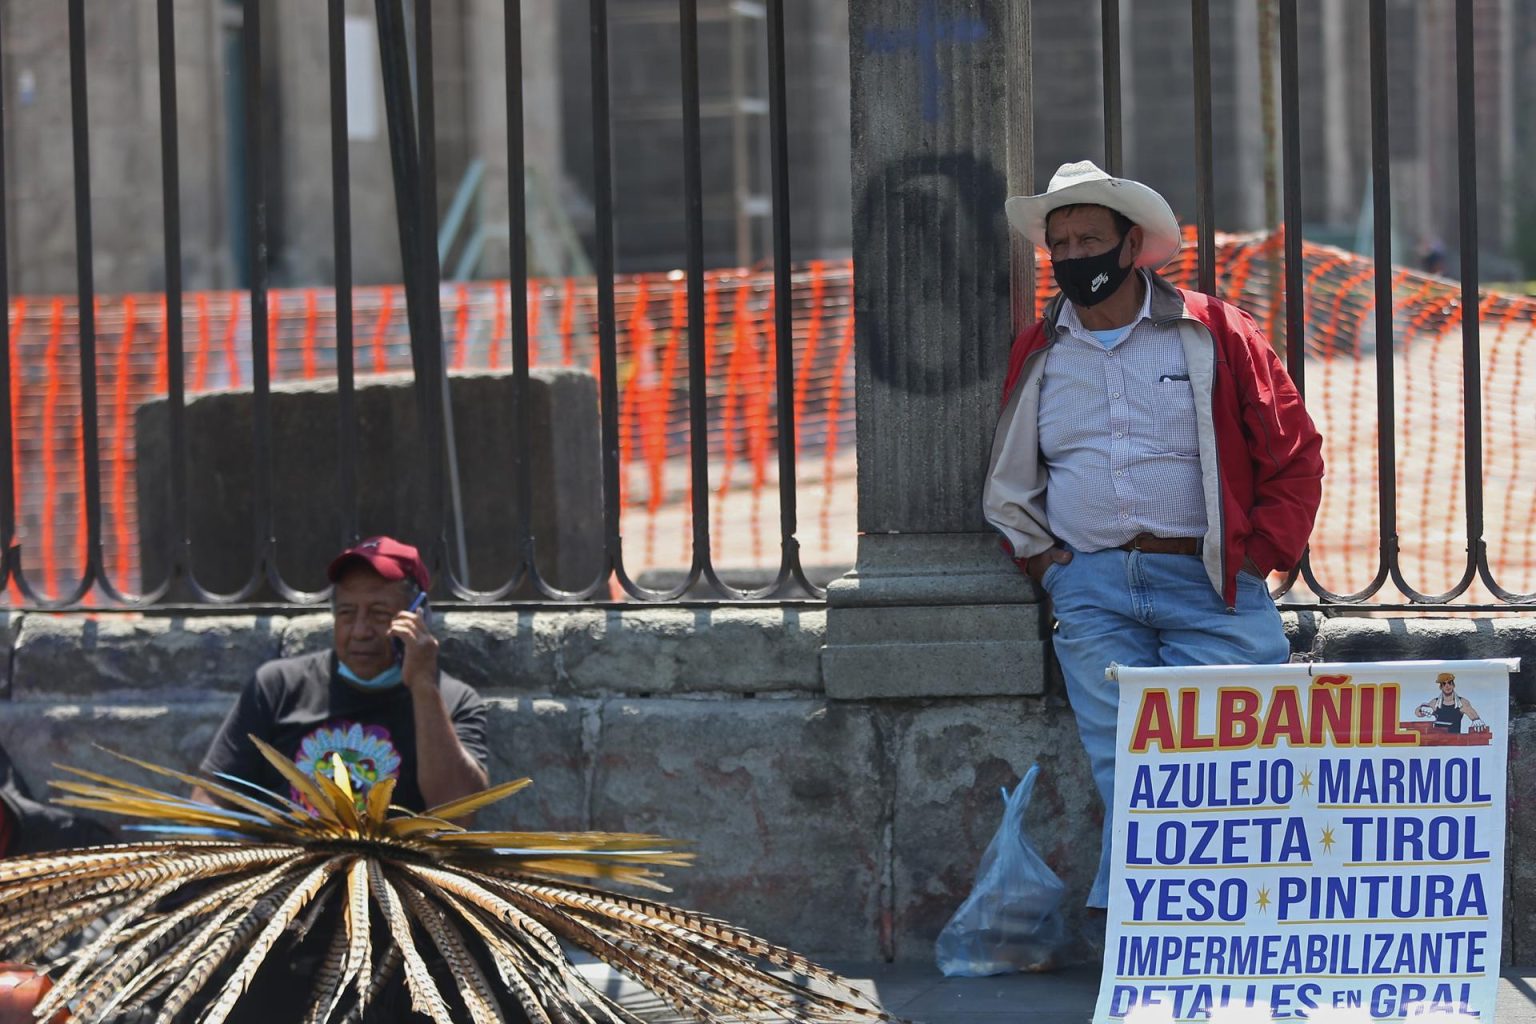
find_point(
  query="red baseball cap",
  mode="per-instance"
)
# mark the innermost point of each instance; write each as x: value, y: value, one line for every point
x: 386, y: 556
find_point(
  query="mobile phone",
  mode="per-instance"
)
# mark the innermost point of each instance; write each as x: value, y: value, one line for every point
x: 426, y: 617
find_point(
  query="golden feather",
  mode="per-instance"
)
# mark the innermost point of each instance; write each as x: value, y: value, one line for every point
x: 197, y: 918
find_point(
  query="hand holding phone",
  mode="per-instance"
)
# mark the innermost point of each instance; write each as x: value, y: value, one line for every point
x: 399, y: 646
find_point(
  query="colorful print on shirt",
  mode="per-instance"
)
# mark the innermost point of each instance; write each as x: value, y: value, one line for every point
x: 367, y: 750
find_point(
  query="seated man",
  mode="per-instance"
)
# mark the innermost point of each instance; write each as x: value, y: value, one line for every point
x: 377, y: 698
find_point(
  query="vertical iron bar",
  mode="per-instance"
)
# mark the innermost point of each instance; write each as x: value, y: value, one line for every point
x: 85, y: 278
x: 1386, y: 398
x: 400, y: 117
x: 426, y: 164
x: 180, y: 560
x: 444, y: 452
x: 425, y: 328
x: 256, y: 220
x: 341, y: 227
x: 1109, y: 22
x: 400, y: 113
x: 1290, y: 157
x: 698, y: 383
x: 607, y: 340
x: 517, y: 253
x: 1471, y: 351
x: 1295, y: 300
x: 783, y: 304
x: 1381, y: 179
x: 7, y: 427
x: 1205, y: 216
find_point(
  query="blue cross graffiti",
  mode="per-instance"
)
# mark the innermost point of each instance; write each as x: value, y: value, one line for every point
x: 924, y: 39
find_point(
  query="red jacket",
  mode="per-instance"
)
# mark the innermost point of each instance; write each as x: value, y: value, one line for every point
x: 1260, y: 455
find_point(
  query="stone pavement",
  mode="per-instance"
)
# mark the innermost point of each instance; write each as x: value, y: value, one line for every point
x: 918, y: 993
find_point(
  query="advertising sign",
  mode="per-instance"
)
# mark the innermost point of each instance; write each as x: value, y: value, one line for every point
x: 1317, y: 841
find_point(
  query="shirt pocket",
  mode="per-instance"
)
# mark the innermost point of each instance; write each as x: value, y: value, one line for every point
x: 1175, y: 429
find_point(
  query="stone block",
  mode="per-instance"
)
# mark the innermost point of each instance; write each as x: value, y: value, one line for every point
x: 916, y: 669
x: 305, y: 634
x: 42, y: 734
x: 958, y: 624
x: 595, y: 652
x: 1346, y: 638
x: 1520, y: 869
x: 950, y: 761
x: 785, y: 801
x: 933, y: 616
x: 563, y: 454
x: 544, y: 740
x: 916, y: 570
x: 169, y: 656
x: 1301, y: 630
x: 677, y: 650
x: 495, y: 651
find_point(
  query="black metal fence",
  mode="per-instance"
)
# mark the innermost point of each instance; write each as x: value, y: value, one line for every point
x: 1389, y: 568
x: 410, y: 107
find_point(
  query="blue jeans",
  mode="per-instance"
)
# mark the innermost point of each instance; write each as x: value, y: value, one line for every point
x: 1140, y: 609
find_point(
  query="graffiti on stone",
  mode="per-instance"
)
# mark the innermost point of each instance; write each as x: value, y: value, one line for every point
x: 933, y: 262
x: 932, y: 30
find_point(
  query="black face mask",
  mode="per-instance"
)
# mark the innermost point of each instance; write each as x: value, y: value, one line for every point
x: 1089, y: 280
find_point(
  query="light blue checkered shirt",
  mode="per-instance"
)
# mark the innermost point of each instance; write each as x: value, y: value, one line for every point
x: 1118, y: 435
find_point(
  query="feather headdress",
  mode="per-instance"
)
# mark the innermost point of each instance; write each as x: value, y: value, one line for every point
x: 191, y: 920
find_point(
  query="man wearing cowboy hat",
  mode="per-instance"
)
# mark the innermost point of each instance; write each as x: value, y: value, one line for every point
x: 1153, y: 463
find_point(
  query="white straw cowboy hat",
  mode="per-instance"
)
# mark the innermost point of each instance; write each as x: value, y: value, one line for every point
x: 1083, y: 182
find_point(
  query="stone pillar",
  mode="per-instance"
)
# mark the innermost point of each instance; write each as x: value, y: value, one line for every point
x: 932, y: 607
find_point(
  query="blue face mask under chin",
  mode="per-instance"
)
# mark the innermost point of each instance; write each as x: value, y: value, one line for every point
x: 383, y: 681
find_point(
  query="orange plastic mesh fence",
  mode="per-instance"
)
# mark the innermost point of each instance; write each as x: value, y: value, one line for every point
x: 743, y: 423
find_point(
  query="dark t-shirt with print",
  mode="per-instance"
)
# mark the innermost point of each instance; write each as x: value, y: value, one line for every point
x: 306, y: 710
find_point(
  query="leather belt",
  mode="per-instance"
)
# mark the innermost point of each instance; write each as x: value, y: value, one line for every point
x: 1154, y: 545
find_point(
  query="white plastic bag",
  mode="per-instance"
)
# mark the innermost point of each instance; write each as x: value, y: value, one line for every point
x: 1012, y: 919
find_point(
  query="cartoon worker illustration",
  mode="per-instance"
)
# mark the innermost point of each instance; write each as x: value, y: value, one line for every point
x: 1448, y: 709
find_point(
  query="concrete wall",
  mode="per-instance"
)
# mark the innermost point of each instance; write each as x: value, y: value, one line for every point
x: 845, y: 828
x: 647, y: 130
x: 562, y: 447
x: 299, y: 148
x: 124, y: 123
x: 123, y: 98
